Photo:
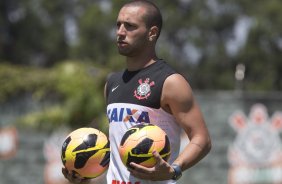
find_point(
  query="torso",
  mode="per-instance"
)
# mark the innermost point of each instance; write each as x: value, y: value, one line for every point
x: 134, y: 98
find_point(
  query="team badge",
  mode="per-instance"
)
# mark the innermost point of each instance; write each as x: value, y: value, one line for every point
x: 144, y: 89
x: 255, y: 156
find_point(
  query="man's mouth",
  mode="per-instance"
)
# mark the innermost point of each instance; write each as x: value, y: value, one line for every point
x: 122, y: 43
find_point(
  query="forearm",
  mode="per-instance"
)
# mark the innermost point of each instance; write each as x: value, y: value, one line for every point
x: 196, y: 150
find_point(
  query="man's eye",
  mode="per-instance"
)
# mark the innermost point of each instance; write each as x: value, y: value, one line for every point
x: 128, y: 26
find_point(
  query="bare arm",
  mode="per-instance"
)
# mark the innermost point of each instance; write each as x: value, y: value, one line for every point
x: 178, y: 99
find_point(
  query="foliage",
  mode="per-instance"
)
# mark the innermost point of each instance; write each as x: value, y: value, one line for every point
x: 19, y: 79
x: 47, y: 49
x: 199, y: 38
x: 73, y: 90
x: 209, y: 27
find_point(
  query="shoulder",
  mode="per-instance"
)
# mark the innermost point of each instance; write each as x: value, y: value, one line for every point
x: 176, y: 82
x: 114, y: 75
x: 111, y: 80
x: 176, y: 91
x: 165, y: 67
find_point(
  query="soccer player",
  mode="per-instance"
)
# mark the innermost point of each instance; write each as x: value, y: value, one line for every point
x: 150, y: 91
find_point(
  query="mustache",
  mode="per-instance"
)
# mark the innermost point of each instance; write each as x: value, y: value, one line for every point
x: 121, y: 40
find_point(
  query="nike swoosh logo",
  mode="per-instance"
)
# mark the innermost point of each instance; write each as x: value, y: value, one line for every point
x: 115, y: 88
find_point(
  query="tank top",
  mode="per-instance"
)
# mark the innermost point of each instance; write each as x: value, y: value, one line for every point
x: 133, y: 97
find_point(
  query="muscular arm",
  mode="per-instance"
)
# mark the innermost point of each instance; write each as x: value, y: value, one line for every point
x: 177, y: 99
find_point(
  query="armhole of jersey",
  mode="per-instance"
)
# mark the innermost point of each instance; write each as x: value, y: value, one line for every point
x: 162, y: 87
x: 108, y: 84
x: 110, y: 80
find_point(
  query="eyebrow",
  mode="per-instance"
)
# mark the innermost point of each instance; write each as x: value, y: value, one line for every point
x: 126, y: 22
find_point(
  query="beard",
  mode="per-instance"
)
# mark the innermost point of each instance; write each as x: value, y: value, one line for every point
x: 128, y: 51
x: 132, y: 50
x: 133, y: 46
x: 124, y: 52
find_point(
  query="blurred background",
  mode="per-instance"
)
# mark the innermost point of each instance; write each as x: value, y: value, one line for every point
x: 55, y: 57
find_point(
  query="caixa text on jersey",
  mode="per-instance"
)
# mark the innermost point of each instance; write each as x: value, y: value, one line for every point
x: 128, y: 115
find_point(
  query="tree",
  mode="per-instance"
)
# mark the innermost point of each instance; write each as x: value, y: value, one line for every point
x: 203, y: 40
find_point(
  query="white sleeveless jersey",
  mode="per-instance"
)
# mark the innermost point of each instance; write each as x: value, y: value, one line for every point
x: 134, y: 98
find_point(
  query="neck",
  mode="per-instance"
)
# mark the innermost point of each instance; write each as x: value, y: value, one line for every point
x: 140, y: 61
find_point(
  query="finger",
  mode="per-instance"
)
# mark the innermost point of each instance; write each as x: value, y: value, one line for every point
x: 139, y: 168
x: 75, y: 175
x: 138, y: 174
x: 85, y: 181
x: 158, y: 157
x: 65, y: 172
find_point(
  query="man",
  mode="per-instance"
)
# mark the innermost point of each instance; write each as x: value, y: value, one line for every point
x: 150, y: 86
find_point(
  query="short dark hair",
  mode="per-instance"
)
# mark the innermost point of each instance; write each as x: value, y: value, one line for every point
x: 153, y: 17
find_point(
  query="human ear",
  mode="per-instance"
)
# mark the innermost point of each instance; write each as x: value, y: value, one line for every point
x: 153, y: 34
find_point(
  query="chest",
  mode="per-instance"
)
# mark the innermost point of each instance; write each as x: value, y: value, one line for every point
x: 142, y: 90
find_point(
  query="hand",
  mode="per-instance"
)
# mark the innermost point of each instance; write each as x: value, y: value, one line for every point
x: 74, y: 177
x: 161, y: 171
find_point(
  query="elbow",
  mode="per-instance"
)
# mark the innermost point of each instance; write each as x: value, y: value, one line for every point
x: 208, y: 145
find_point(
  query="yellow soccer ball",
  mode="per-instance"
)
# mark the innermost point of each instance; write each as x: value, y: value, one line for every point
x: 86, y: 151
x: 139, y: 142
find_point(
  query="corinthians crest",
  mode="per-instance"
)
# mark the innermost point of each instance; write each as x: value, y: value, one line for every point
x: 255, y: 156
x: 144, y: 89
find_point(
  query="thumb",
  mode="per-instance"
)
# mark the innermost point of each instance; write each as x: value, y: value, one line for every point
x: 157, y: 157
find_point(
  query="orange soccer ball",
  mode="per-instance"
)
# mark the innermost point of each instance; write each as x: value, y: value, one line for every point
x: 139, y: 142
x: 86, y: 151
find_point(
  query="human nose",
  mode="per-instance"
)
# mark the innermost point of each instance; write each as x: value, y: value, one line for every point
x: 121, y: 30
